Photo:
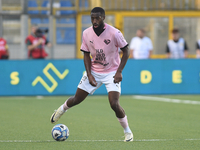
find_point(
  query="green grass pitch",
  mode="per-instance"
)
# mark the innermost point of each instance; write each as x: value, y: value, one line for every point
x: 156, y: 125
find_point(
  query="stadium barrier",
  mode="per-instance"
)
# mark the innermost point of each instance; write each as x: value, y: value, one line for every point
x: 61, y: 77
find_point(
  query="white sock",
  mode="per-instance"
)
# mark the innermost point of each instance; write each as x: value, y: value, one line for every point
x: 124, y: 124
x: 127, y: 130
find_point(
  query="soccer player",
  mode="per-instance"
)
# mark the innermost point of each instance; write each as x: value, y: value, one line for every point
x: 101, y: 41
x: 141, y: 46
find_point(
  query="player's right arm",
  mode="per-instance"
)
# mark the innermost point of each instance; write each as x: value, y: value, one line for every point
x: 87, y: 63
x: 31, y: 46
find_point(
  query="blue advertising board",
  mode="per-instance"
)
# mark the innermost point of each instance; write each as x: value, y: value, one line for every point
x: 61, y: 77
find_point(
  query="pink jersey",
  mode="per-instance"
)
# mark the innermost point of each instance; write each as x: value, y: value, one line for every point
x: 103, y: 48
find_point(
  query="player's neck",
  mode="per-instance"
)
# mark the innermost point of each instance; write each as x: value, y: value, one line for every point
x: 99, y: 30
x: 176, y: 40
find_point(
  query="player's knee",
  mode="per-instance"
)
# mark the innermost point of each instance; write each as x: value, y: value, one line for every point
x: 114, y: 105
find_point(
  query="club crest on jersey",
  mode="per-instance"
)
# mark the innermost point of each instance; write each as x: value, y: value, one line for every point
x: 107, y: 41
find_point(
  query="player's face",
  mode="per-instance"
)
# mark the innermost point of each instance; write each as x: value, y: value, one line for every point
x: 175, y: 36
x: 33, y: 29
x: 140, y: 34
x: 97, y: 19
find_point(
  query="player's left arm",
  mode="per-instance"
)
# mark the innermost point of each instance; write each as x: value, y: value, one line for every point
x: 48, y: 44
x: 131, y: 47
x: 185, y: 49
x: 150, y: 53
x: 125, y: 56
x: 6, y: 47
x: 150, y: 48
x: 7, y: 51
x: 198, y: 50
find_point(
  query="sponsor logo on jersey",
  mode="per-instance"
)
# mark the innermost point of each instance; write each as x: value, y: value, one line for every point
x: 100, y: 57
x: 2, y: 42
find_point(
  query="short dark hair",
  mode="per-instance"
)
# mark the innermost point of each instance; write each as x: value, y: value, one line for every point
x: 175, y: 30
x: 34, y: 25
x: 98, y: 9
x: 142, y: 30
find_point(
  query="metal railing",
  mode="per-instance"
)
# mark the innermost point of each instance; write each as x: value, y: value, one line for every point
x: 17, y: 6
x: 16, y: 20
x: 150, y: 4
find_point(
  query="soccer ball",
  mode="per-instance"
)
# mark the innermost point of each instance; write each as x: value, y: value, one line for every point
x: 60, y: 132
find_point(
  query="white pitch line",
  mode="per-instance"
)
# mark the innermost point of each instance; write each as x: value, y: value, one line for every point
x: 24, y: 141
x: 142, y: 140
x: 169, y: 100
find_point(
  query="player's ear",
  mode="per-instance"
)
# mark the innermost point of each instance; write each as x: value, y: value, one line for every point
x: 103, y: 17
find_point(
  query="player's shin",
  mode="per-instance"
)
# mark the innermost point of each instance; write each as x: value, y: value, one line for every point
x: 124, y: 124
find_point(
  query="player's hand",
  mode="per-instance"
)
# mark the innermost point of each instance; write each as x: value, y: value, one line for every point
x: 117, y: 77
x: 92, y: 80
x: 40, y: 41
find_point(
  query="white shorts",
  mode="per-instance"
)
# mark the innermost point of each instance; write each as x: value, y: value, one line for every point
x: 100, y: 78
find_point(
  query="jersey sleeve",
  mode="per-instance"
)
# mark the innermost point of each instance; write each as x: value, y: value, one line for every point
x: 120, y: 40
x: 28, y: 42
x: 197, y: 46
x: 46, y: 42
x: 84, y: 46
x: 167, y: 49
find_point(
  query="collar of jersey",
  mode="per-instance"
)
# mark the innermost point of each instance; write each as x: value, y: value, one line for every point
x: 33, y: 35
x: 102, y: 31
